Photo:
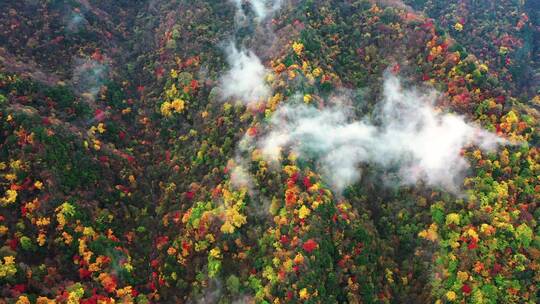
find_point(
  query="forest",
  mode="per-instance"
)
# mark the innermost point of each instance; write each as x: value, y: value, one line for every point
x: 269, y: 151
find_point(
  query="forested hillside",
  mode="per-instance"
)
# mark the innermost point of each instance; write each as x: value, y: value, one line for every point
x: 269, y: 151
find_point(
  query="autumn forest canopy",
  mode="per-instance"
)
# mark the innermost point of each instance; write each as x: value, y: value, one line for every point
x: 269, y: 151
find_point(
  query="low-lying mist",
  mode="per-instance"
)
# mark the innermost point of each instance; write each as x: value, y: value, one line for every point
x: 406, y: 132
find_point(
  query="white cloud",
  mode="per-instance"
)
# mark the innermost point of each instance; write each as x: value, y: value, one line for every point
x: 407, y: 131
x: 240, y: 177
x: 245, y: 79
x: 261, y: 8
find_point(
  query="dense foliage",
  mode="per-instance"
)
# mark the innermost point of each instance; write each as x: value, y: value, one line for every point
x: 118, y: 155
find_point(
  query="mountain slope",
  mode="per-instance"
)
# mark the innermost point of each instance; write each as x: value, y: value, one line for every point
x: 209, y: 152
